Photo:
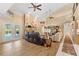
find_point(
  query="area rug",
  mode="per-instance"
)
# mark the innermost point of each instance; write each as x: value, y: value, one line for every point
x: 68, y: 46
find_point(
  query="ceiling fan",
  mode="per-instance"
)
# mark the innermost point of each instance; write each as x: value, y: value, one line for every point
x: 36, y: 7
x: 10, y: 13
x: 51, y: 17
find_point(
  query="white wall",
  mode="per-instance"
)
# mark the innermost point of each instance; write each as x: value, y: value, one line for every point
x: 67, y: 28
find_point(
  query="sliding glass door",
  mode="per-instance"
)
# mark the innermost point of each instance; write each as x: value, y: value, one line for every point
x: 8, y: 32
x: 17, y: 31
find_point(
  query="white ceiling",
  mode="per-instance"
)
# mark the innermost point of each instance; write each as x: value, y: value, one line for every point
x: 47, y: 8
x: 4, y: 7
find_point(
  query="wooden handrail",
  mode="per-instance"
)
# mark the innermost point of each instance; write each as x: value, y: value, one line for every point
x: 74, y: 9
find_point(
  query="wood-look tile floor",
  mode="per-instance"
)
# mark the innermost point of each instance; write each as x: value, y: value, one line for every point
x: 68, y: 46
x: 24, y: 48
x: 77, y: 40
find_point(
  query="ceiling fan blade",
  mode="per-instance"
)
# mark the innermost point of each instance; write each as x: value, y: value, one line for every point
x: 39, y: 5
x: 33, y: 5
x: 39, y: 9
x: 10, y: 13
x: 34, y: 9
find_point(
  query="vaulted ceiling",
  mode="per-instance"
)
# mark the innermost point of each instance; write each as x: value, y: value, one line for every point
x: 48, y: 9
x: 4, y: 7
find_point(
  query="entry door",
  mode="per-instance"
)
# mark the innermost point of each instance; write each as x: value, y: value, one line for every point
x: 7, y: 32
